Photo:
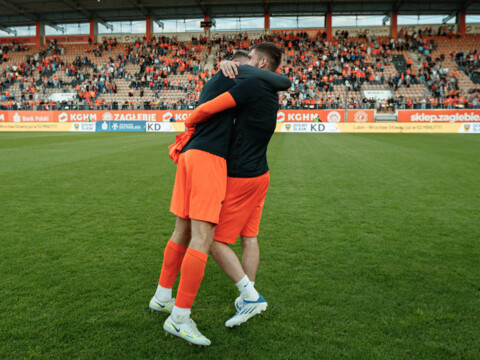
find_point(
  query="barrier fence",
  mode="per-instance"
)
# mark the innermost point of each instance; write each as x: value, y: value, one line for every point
x: 175, y: 116
x: 288, y: 121
x: 285, y: 127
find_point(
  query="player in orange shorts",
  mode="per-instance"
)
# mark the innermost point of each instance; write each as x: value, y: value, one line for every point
x: 241, y: 214
x: 198, y: 193
x: 248, y: 180
x: 242, y: 208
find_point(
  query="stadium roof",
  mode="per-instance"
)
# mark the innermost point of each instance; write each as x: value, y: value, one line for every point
x: 27, y: 12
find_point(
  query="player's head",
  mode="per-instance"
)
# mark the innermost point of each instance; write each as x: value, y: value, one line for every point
x: 265, y: 55
x: 241, y: 56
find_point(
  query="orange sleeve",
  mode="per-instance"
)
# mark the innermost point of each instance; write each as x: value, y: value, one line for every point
x: 203, y: 112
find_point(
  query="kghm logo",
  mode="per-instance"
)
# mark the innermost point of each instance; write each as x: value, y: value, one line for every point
x: 167, y: 116
x: 63, y: 117
x: 334, y: 116
x: 360, y: 116
x: 280, y: 116
x: 107, y: 116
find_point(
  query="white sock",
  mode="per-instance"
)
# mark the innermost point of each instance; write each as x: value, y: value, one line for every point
x: 247, y: 290
x: 180, y: 315
x: 163, y: 294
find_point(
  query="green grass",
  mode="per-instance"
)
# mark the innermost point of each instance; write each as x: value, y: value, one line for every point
x: 369, y: 250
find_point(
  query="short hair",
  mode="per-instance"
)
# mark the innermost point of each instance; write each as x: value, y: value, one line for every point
x: 271, y: 51
x: 240, y: 54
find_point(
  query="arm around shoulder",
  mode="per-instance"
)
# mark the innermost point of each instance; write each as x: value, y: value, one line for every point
x: 206, y: 110
x: 278, y: 82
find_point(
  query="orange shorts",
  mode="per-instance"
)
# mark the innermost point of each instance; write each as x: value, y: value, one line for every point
x: 200, y: 186
x: 242, y: 208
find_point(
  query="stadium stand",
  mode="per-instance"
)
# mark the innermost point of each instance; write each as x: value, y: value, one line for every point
x: 421, y: 70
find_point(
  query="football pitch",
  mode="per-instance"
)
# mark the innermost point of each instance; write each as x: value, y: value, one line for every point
x: 370, y: 249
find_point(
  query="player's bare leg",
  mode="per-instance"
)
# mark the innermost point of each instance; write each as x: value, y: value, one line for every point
x: 182, y: 232
x: 250, y: 302
x: 202, y: 235
x: 250, y: 256
x: 227, y: 260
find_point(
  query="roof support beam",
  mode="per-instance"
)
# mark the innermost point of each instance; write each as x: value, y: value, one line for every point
x: 159, y: 23
x: 138, y: 4
x: 56, y: 27
x: 266, y: 7
x: 202, y: 6
x: 467, y: 3
x: 385, y: 19
x: 449, y: 17
x: 76, y: 6
x: 397, y: 5
x: 106, y: 24
x: 330, y: 6
x: 20, y: 10
x: 8, y: 30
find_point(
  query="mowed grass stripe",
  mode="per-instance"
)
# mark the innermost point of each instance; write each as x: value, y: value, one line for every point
x: 369, y: 249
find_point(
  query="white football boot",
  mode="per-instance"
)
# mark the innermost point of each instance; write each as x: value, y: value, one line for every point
x: 238, y: 302
x: 187, y: 331
x: 245, y: 310
x: 156, y: 305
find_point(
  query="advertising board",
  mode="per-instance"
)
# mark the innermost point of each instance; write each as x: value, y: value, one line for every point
x: 434, y: 116
x: 123, y: 126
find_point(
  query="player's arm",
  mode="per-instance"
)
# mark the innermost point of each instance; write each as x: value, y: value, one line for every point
x: 206, y: 110
x: 278, y: 82
x: 239, y: 95
x: 229, y: 68
x: 232, y: 69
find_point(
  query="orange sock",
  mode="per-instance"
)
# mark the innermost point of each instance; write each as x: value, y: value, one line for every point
x: 193, y: 269
x: 172, y: 261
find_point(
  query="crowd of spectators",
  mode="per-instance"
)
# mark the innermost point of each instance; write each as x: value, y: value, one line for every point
x: 469, y: 63
x: 324, y: 73
x: 318, y: 66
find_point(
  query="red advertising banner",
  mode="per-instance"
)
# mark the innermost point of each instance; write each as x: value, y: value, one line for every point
x: 3, y: 116
x: 431, y: 116
x: 30, y: 116
x: 19, y: 40
x: 361, y: 116
x: 176, y: 115
x: 97, y: 115
x: 121, y: 115
x: 312, y: 33
x: 68, y: 39
x: 94, y: 115
x: 332, y: 116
